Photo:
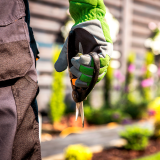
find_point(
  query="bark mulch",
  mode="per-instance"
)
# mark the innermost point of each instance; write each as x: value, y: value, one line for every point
x: 123, y: 154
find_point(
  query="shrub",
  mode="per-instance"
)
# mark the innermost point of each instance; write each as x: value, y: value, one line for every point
x: 129, y: 85
x: 147, y: 79
x: 77, y: 152
x: 135, y: 109
x: 154, y: 110
x: 136, y: 137
x: 108, y: 86
x: 57, y: 105
x: 104, y: 115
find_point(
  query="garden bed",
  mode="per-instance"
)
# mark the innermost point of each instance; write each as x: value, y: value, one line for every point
x: 123, y: 154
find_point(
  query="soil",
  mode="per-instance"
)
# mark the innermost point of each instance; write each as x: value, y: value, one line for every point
x: 123, y: 154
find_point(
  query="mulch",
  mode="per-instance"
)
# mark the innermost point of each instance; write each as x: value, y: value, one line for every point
x: 123, y: 154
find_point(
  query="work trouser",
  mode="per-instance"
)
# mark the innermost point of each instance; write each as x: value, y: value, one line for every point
x: 19, y: 137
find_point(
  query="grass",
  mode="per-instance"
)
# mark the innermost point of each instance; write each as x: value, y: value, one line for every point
x: 152, y: 157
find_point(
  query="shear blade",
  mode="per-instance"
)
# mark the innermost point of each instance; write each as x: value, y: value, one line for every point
x: 79, y: 108
x: 82, y: 113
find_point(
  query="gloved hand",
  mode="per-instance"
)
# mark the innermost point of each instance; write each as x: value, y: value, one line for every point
x: 92, y: 35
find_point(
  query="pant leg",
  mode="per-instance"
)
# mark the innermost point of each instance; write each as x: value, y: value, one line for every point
x: 8, y: 122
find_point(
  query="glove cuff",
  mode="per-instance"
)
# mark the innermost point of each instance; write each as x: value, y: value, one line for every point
x: 86, y: 10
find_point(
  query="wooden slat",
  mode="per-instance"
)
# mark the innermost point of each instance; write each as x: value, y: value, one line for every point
x: 46, y: 67
x: 44, y: 37
x: 45, y: 80
x: 45, y: 24
x: 115, y: 12
x: 118, y: 3
x: 48, y: 11
x: 119, y: 37
x: 141, y: 30
x: 138, y: 40
x: 117, y: 47
x: 139, y: 50
x: 63, y: 3
x: 45, y: 53
x: 144, y: 20
x: 147, y: 10
x: 43, y: 99
x: 155, y: 3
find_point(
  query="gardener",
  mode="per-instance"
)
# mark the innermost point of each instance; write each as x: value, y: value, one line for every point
x: 18, y: 79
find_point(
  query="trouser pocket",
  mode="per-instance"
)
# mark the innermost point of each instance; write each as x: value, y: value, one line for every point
x: 26, y: 143
x: 15, y: 56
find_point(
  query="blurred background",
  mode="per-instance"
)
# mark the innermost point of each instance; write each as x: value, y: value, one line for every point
x: 128, y: 95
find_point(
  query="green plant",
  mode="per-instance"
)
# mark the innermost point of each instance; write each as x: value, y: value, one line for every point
x: 136, y: 137
x: 104, y: 115
x: 77, y: 152
x: 152, y: 157
x: 130, y: 72
x: 147, y: 79
x: 135, y: 109
x: 154, y: 111
x: 108, y: 86
x: 57, y: 105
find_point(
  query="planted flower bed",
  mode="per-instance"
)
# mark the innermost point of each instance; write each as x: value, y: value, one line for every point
x: 137, y: 146
x: 123, y: 154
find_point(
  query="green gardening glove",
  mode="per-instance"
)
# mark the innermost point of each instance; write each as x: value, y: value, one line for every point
x: 92, y: 35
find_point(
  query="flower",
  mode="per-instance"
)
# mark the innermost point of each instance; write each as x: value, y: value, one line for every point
x: 117, y: 87
x: 143, y: 69
x: 116, y: 115
x: 152, y: 26
x: 158, y: 71
x: 151, y: 112
x: 147, y: 82
x: 131, y: 68
x: 126, y: 121
x: 119, y: 76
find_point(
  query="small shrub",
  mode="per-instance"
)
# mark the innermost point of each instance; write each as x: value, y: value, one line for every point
x: 104, y: 115
x: 137, y: 138
x: 57, y: 105
x: 78, y: 152
x: 154, y: 110
x: 134, y: 109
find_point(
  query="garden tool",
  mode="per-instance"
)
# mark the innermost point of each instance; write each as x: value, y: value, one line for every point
x: 79, y: 94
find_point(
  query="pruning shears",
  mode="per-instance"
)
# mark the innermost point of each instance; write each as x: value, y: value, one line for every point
x: 79, y: 94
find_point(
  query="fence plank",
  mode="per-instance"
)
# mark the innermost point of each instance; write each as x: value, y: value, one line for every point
x: 147, y: 10
x: 61, y: 3
x: 116, y: 12
x: 112, y: 3
x: 144, y: 20
x: 154, y: 3
x: 48, y: 11
x: 44, y: 37
x: 141, y: 30
x: 45, y: 67
x: 46, y: 25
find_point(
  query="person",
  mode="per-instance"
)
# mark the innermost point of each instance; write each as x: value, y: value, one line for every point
x: 19, y: 138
